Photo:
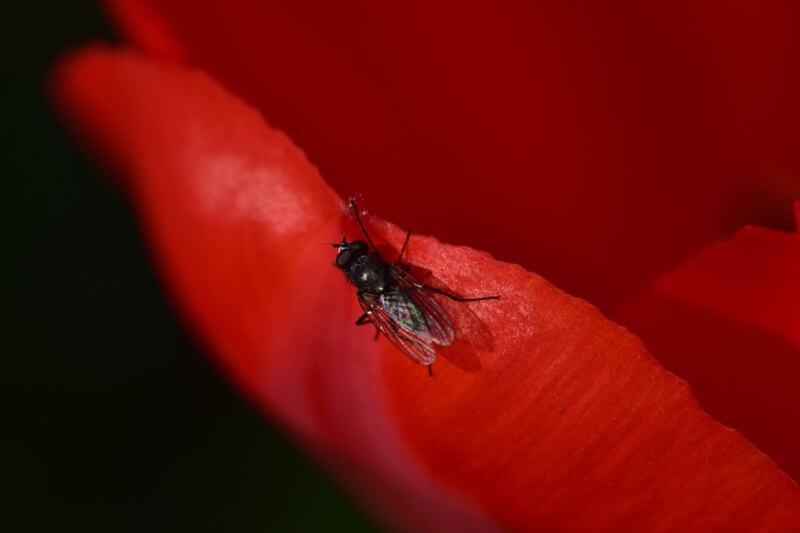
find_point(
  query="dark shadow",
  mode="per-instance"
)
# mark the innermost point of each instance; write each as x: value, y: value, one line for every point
x: 462, y: 355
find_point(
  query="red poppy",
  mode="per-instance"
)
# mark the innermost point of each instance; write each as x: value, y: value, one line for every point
x: 596, y: 146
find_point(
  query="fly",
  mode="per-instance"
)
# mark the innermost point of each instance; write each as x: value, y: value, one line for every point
x: 398, y: 305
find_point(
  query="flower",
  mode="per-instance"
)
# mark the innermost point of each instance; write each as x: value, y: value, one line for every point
x: 546, y: 416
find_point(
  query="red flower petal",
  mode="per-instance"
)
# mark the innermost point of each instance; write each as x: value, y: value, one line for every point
x: 567, y: 426
x: 733, y: 331
x: 140, y: 19
x: 620, y: 136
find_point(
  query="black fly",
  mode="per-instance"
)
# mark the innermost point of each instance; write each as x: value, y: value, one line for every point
x: 397, y: 304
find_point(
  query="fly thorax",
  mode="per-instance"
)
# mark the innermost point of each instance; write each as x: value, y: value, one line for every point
x: 368, y: 274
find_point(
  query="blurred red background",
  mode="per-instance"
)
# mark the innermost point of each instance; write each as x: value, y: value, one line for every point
x: 595, y: 143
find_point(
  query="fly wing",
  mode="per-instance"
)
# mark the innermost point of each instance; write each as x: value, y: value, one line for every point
x: 440, y: 326
x: 396, y: 315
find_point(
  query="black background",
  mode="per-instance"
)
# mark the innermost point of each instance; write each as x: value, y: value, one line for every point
x: 113, y: 418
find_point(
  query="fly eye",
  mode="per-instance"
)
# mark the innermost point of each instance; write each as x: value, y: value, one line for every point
x: 343, y: 257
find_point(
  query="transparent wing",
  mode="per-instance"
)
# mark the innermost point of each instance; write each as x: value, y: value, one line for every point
x: 407, y: 334
x: 439, y: 324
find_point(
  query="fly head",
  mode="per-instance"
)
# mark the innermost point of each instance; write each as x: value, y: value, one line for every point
x: 349, y: 251
x: 364, y: 270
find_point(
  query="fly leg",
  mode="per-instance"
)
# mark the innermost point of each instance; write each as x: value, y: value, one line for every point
x: 365, y: 319
x: 361, y: 225
x: 430, y: 370
x: 399, y: 261
x: 453, y: 296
